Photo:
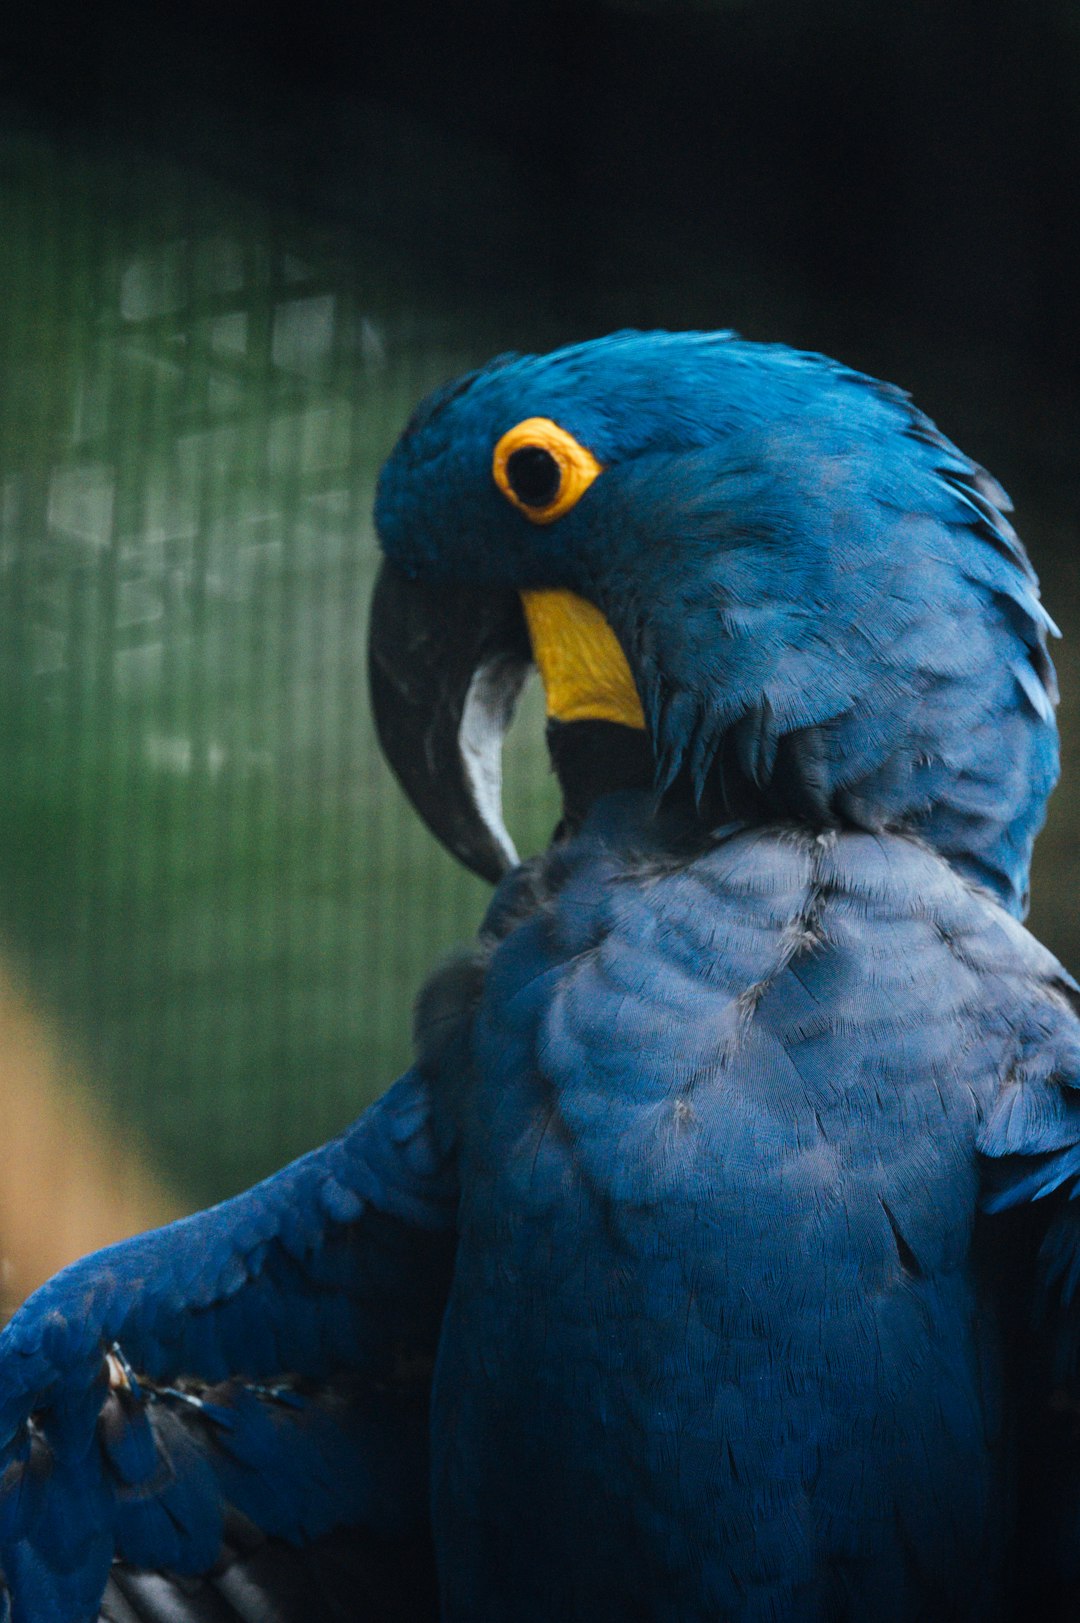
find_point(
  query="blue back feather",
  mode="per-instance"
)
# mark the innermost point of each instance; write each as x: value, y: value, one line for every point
x: 716, y: 1345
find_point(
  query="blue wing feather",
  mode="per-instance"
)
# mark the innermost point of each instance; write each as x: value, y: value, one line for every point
x: 320, y: 1280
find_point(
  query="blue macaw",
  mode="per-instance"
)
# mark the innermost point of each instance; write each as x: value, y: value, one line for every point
x: 716, y: 1257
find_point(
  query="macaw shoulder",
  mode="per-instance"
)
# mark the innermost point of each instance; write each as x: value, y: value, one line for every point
x: 782, y: 1022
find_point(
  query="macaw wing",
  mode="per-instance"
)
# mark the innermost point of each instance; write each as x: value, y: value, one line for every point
x: 344, y: 1577
x: 266, y: 1360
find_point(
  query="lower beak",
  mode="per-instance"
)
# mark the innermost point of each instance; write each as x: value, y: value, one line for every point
x: 446, y: 665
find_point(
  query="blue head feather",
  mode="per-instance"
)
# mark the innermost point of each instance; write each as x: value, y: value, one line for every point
x: 827, y: 612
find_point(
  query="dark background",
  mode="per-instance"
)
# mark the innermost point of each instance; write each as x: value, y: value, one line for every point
x: 897, y: 180
x: 898, y: 185
x: 420, y: 186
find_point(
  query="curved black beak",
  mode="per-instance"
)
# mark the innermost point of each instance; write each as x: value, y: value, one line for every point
x: 447, y: 664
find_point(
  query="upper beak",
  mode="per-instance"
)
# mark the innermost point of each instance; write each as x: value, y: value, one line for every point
x: 446, y: 665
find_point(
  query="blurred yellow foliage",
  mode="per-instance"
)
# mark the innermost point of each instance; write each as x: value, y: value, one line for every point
x: 70, y: 1181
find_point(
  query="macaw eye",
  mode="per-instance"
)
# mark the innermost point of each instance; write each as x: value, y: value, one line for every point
x: 534, y: 476
x: 542, y: 469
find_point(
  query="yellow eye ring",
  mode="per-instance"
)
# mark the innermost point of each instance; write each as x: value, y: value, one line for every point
x: 542, y: 469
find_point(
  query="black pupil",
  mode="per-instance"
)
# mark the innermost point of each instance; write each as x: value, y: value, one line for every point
x: 534, y: 475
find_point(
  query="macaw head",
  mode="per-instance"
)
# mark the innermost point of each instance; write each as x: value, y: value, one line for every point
x: 749, y: 577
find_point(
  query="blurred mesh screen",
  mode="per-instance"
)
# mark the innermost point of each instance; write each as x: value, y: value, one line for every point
x: 209, y: 883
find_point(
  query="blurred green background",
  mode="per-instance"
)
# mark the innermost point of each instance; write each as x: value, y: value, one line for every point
x: 231, y: 260
x: 206, y: 869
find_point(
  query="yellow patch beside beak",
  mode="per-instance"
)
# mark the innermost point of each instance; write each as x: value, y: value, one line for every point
x: 582, y: 666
